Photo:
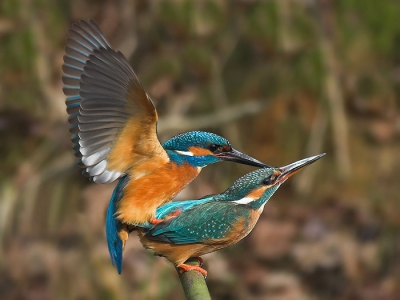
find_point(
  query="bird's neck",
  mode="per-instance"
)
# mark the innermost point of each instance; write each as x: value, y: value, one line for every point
x: 253, y: 198
x: 259, y: 203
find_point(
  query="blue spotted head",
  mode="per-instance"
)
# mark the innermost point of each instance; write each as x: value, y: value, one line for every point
x: 200, y: 149
x: 256, y: 188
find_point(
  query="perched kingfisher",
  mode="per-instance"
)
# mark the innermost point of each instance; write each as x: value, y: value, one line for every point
x: 114, y: 133
x: 195, y: 227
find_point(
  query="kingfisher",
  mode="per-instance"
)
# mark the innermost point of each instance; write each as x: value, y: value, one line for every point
x: 191, y: 228
x: 113, y: 123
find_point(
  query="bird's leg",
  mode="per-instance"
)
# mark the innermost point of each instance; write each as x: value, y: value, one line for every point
x: 184, y: 268
x: 123, y: 234
x: 156, y: 221
x: 171, y: 215
x: 174, y: 214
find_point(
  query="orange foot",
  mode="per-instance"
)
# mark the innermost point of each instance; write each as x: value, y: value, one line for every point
x: 184, y: 268
x: 123, y: 234
x: 156, y: 221
x: 174, y: 214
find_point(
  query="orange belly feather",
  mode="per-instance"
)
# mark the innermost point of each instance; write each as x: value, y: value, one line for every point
x: 152, y: 185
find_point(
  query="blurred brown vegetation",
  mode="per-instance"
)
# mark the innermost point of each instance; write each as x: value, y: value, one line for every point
x: 282, y: 79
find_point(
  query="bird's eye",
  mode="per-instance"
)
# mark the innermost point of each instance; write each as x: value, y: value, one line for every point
x: 213, y: 147
x: 269, y: 180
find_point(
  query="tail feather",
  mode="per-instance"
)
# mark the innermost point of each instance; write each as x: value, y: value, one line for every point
x: 113, y: 226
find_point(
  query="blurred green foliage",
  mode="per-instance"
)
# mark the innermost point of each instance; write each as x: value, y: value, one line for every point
x: 336, y: 232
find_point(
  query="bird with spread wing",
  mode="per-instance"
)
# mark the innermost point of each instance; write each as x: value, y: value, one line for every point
x: 113, y: 123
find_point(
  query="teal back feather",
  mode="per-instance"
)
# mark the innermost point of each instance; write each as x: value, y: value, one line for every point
x: 208, y: 221
x: 169, y: 208
x: 212, y: 217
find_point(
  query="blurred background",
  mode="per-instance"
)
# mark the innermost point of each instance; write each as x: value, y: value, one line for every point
x: 281, y: 79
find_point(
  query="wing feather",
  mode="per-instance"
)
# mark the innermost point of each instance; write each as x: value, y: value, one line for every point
x: 95, y: 140
x: 108, y: 109
x: 95, y: 158
x: 96, y: 133
x: 94, y: 148
x: 212, y: 220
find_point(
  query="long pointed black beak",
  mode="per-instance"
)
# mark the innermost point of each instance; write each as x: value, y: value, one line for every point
x: 239, y: 157
x: 295, y: 167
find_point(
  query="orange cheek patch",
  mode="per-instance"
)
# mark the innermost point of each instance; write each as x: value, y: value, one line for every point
x: 200, y: 151
x: 257, y: 193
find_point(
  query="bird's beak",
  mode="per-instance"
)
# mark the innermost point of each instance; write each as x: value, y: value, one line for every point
x: 239, y: 157
x: 295, y: 167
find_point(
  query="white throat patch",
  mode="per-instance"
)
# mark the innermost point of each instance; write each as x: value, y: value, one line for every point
x: 245, y: 200
x: 187, y: 153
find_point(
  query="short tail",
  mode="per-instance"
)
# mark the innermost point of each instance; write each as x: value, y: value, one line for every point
x: 113, y: 226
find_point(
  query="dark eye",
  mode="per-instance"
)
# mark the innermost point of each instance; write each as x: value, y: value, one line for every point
x: 213, y: 147
x: 269, y: 180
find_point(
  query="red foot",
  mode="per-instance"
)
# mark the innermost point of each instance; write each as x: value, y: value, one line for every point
x: 184, y: 268
x: 175, y: 213
x: 172, y: 215
x: 156, y: 221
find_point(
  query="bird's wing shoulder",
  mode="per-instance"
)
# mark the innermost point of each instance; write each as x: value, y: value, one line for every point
x: 113, y: 121
x: 179, y: 206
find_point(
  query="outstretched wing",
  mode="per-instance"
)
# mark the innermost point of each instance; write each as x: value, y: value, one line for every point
x: 113, y: 121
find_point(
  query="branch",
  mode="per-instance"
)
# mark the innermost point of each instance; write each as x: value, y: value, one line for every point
x: 218, y: 118
x: 194, y: 284
x: 304, y: 183
x: 333, y: 89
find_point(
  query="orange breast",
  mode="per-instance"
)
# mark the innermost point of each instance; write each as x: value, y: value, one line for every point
x: 149, y: 189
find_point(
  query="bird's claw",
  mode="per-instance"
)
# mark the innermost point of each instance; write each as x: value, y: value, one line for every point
x: 201, y: 261
x: 156, y: 221
x: 171, y: 215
